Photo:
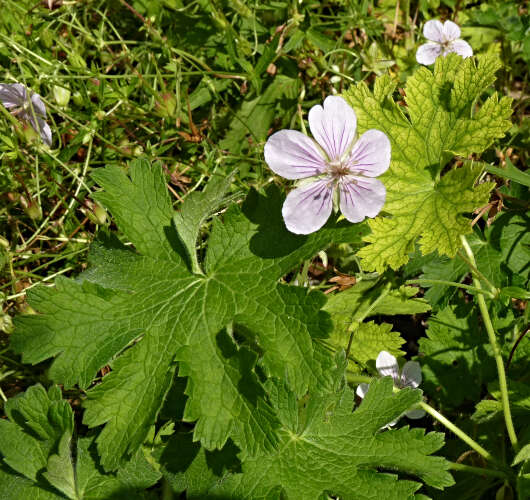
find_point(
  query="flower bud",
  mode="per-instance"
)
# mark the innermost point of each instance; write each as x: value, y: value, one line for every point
x: 100, y: 214
x: 166, y: 105
x: 4, y: 255
x: 61, y: 95
x: 6, y: 323
x: 78, y: 99
x: 32, y: 208
x: 95, y: 212
x: 46, y: 38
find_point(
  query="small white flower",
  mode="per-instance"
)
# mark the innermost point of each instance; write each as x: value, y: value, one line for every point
x: 444, y: 38
x: 27, y: 106
x: 410, y: 376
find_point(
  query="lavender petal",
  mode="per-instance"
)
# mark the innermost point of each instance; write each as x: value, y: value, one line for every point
x: 361, y: 197
x: 307, y: 208
x: 460, y: 47
x: 428, y: 52
x: 434, y: 31
x: 371, y: 154
x: 38, y: 105
x: 362, y: 389
x: 12, y: 94
x: 45, y: 131
x: 387, y: 365
x: 39, y: 125
x: 411, y: 374
x: 293, y: 155
x: 451, y: 31
x: 415, y: 414
x: 333, y: 126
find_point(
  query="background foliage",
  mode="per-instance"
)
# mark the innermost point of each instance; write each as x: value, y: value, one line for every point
x: 196, y: 88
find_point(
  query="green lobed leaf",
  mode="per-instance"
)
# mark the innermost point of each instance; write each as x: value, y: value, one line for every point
x: 368, y: 340
x: 37, y: 422
x: 350, y: 306
x: 189, y: 467
x: 36, y: 442
x: 357, y: 302
x: 198, y: 207
x: 144, y: 311
x: 502, y: 253
x: 438, y: 122
x: 325, y: 448
x: 21, y: 488
x: 456, y: 357
x: 523, y: 455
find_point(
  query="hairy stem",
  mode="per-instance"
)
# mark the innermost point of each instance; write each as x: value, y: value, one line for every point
x: 457, y: 431
x: 496, y: 351
x: 475, y: 272
x: 477, y: 470
x: 358, y: 379
x: 421, y: 281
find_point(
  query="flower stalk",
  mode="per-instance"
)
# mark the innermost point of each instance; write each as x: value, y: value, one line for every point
x: 457, y: 431
x: 481, y: 471
x: 421, y: 281
x: 496, y: 350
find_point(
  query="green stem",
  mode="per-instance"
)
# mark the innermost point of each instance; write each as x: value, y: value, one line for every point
x: 358, y: 379
x: 421, y: 281
x: 496, y: 352
x: 167, y: 492
x: 477, y: 470
x: 474, y: 270
x: 359, y: 320
x: 457, y: 431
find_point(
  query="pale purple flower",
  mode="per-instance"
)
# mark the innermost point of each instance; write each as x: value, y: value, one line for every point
x: 444, y: 38
x: 409, y: 376
x: 27, y: 106
x: 334, y: 166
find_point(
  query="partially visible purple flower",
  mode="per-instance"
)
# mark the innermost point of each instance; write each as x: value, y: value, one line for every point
x: 410, y: 376
x: 26, y: 106
x: 444, y: 38
x: 336, y: 168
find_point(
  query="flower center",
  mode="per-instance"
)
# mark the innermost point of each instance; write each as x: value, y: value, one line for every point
x: 337, y: 170
x: 445, y: 45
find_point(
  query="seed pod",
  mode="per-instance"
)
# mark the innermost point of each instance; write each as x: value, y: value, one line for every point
x: 61, y: 96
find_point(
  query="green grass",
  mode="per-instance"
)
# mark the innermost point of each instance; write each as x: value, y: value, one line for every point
x: 197, y: 85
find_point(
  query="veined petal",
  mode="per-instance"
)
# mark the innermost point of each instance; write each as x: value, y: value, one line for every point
x: 451, y: 31
x: 411, y: 374
x: 362, y: 389
x: 428, y: 52
x: 293, y: 155
x: 361, y: 197
x: 460, y: 47
x: 38, y: 105
x: 415, y: 414
x: 333, y: 126
x: 39, y: 125
x: 45, y: 131
x: 371, y: 154
x: 12, y: 94
x: 387, y: 365
x: 306, y: 209
x: 433, y: 30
